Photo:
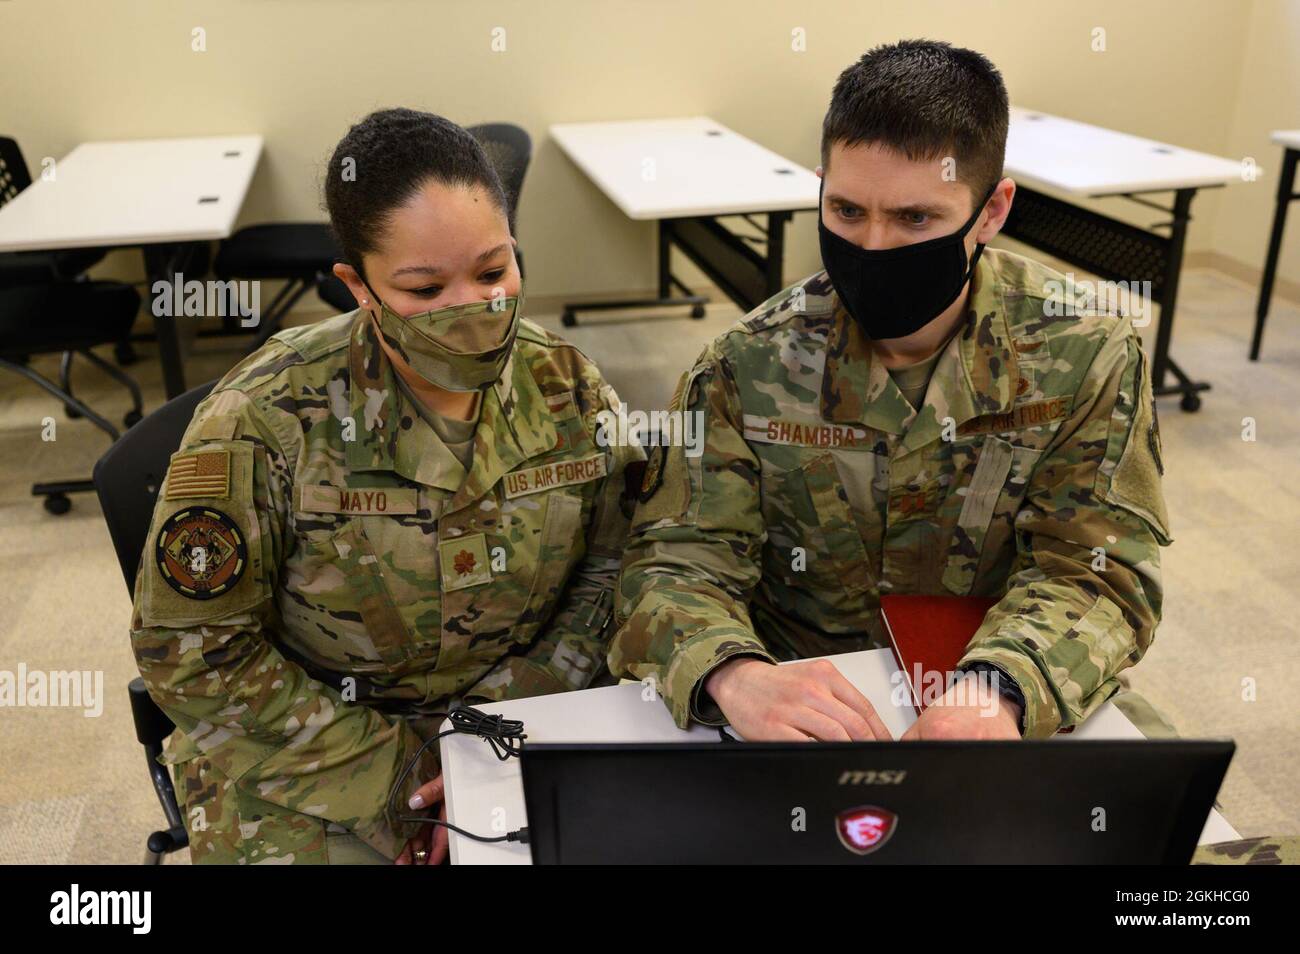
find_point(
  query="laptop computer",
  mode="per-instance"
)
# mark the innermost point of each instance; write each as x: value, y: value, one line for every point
x: 1015, y: 802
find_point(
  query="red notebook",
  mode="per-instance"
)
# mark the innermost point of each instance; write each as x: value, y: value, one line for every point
x: 928, y: 635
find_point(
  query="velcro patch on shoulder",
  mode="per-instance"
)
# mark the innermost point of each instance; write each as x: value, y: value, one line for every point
x: 769, y: 430
x: 560, y: 473
x: 1027, y: 415
x: 219, y: 428
x: 201, y: 553
x: 326, y: 498
x: 200, y: 474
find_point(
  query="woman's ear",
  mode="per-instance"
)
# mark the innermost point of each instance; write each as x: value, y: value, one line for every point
x: 348, y: 276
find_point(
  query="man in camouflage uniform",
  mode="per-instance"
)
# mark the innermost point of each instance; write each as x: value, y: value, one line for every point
x: 1029, y: 473
x: 322, y: 572
x: 925, y: 416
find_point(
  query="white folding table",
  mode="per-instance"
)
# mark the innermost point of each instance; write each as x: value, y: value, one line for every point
x: 1077, y: 159
x: 1289, y: 140
x: 159, y: 194
x: 688, y: 175
x: 486, y: 796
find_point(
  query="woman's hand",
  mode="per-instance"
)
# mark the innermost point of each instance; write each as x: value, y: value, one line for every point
x: 432, y: 839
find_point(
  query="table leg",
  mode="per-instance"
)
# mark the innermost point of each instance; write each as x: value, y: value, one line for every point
x: 775, y: 260
x: 569, y: 316
x: 664, y: 260
x: 159, y: 265
x: 1161, y: 362
x: 1285, y: 183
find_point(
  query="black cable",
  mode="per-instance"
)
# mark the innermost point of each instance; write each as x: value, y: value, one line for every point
x: 505, y: 737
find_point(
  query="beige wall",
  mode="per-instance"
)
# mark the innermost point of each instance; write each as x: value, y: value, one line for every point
x: 1268, y: 98
x: 1203, y: 74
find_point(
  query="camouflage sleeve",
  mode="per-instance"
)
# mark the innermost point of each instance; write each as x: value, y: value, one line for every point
x: 694, y: 556
x: 1250, y: 851
x: 1084, y: 595
x: 570, y: 653
x: 205, y: 654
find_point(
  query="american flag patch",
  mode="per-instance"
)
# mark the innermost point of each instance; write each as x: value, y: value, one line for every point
x: 206, y: 474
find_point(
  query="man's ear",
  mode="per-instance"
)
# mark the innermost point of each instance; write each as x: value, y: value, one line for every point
x: 998, y: 208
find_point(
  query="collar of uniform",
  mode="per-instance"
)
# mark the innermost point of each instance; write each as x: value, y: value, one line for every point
x: 856, y: 389
x: 988, y: 354
x: 373, y: 399
x: 378, y: 407
x: 975, y: 376
x: 514, y: 425
x: 422, y: 455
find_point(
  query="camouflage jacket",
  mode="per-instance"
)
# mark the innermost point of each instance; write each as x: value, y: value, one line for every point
x: 320, y: 566
x: 1030, y: 473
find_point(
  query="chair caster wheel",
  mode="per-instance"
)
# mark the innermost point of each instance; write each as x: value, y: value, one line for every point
x: 125, y: 353
x: 132, y: 418
x: 568, y: 319
x: 1191, y: 402
x: 697, y: 311
x: 58, y: 504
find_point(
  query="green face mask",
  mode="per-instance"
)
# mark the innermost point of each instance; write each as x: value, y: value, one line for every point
x: 459, y: 348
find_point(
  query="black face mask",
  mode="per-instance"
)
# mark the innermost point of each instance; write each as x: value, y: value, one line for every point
x: 894, y: 292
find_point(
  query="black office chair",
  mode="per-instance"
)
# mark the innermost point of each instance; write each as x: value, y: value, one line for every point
x: 302, y: 254
x: 127, y: 479
x: 68, y: 317
x: 17, y: 268
x: 510, y: 150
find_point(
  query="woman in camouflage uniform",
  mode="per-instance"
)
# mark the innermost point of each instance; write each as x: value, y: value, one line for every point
x: 375, y: 515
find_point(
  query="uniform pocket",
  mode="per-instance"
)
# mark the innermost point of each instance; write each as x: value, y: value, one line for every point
x: 813, y: 540
x: 986, y: 523
x: 337, y: 581
x: 548, y: 559
x: 562, y: 546
x: 1135, y: 482
x: 530, y: 554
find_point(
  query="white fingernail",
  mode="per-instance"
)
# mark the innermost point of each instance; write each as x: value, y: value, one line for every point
x: 416, y: 801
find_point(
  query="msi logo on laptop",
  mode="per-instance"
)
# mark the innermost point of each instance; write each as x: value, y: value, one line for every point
x: 862, y: 830
x: 868, y: 777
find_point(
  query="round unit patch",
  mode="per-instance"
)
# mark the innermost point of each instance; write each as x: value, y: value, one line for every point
x: 201, y: 553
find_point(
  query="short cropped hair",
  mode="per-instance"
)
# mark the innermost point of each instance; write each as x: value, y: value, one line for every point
x: 928, y: 100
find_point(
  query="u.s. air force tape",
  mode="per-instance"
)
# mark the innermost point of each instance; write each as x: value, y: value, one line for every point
x: 561, y: 473
x: 200, y: 553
